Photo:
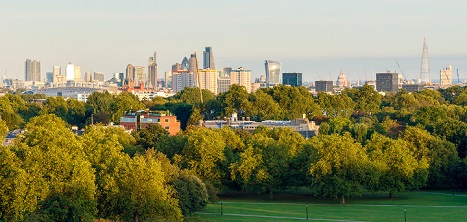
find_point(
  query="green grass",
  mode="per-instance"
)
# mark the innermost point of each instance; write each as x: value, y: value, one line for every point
x: 420, y: 206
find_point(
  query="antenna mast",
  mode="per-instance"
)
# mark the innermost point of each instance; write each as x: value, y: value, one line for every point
x: 199, y: 80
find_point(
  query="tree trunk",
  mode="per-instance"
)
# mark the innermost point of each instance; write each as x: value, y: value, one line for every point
x: 390, y: 195
x: 135, y: 217
x: 271, y: 195
x: 343, y: 199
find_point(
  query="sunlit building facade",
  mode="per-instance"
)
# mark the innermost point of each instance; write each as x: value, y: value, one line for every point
x: 273, y: 73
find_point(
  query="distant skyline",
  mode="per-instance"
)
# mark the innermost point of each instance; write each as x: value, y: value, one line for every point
x: 316, y: 38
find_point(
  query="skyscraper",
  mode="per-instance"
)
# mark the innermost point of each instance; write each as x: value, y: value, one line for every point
x: 208, y: 59
x: 192, y: 64
x: 77, y: 73
x: 425, y: 66
x: 292, y: 79
x: 139, y: 75
x: 129, y: 74
x: 273, y: 72
x: 241, y: 77
x: 323, y: 86
x: 152, y: 72
x: 182, y: 79
x: 32, y: 70
x: 70, y: 71
x: 99, y: 76
x: 185, y: 63
x: 445, y: 77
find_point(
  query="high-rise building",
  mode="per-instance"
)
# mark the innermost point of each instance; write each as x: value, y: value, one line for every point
x: 323, y: 86
x: 208, y: 79
x: 152, y: 72
x: 241, y: 77
x: 445, y: 77
x: 32, y: 70
x: 99, y: 76
x: 130, y: 73
x: 425, y: 66
x: 77, y: 73
x: 223, y: 84
x: 88, y: 77
x: 226, y: 71
x: 49, y: 77
x: 292, y: 79
x: 273, y: 72
x: 70, y: 71
x: 182, y: 79
x: 168, y: 79
x: 208, y: 59
x: 387, y: 82
x: 185, y: 63
x: 192, y: 63
x: 139, y: 75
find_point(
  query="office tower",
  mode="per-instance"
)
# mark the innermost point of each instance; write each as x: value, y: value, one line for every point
x: 445, y: 77
x: 32, y: 70
x: 273, y: 72
x: 77, y: 73
x: 241, y: 77
x: 57, y: 70
x: 192, y: 63
x: 130, y: 72
x: 208, y: 59
x: 139, y: 75
x: 387, y: 82
x: 226, y: 71
x: 152, y: 72
x: 70, y: 71
x: 425, y: 66
x: 292, y: 79
x: 88, y: 77
x: 168, y: 79
x: 49, y: 77
x: 223, y: 84
x: 99, y: 76
x: 182, y: 79
x: 177, y: 67
x: 208, y: 79
x: 184, y: 64
x: 323, y: 86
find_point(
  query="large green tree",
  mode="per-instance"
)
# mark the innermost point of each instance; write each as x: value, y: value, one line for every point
x: 339, y: 166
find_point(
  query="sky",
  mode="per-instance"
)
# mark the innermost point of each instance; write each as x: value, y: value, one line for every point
x: 315, y: 37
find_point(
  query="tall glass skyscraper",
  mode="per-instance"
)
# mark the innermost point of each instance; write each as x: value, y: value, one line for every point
x: 208, y: 59
x: 273, y: 73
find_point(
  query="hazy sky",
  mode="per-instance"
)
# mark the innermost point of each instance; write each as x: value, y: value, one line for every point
x: 315, y: 37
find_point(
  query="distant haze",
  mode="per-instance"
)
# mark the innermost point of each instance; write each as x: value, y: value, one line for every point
x: 317, y: 38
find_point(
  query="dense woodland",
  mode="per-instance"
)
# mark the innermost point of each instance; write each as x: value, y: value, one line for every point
x: 392, y: 143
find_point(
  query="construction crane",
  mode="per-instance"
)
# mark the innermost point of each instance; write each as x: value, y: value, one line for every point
x: 402, y: 72
x: 199, y: 80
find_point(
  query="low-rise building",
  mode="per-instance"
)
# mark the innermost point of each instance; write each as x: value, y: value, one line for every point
x: 142, y: 119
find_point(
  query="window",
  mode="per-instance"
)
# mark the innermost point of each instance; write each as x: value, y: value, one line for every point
x: 167, y: 128
x: 167, y: 120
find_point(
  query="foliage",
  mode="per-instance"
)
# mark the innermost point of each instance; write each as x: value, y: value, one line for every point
x: 191, y: 192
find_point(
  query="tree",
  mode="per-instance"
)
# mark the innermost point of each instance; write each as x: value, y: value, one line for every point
x: 143, y: 191
x: 339, y: 166
x: 150, y: 136
x: 203, y: 154
x: 123, y: 102
x: 236, y: 100
x: 264, y: 107
x: 191, y: 192
x: 397, y: 165
x: 53, y: 157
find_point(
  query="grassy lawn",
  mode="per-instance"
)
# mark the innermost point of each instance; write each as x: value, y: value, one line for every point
x: 420, y: 206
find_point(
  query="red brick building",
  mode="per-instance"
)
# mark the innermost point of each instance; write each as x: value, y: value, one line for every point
x: 142, y: 119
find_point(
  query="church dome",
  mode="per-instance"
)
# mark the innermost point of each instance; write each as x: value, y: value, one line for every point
x: 341, y: 80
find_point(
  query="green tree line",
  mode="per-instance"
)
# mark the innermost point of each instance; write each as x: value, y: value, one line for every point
x: 366, y: 141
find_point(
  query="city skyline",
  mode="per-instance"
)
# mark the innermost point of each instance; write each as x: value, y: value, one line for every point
x: 317, y: 39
